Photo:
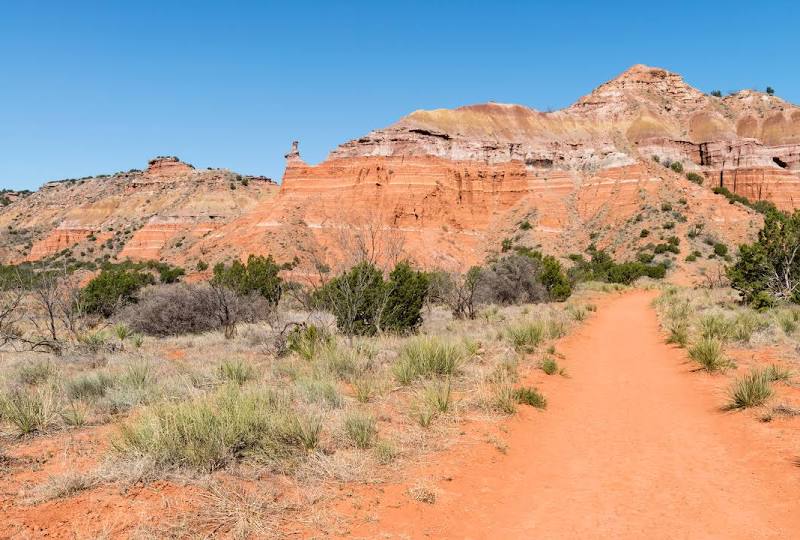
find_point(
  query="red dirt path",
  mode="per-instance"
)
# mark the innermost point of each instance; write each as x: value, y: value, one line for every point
x: 633, y: 445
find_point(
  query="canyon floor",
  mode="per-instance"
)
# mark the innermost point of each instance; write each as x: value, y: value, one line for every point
x: 635, y: 444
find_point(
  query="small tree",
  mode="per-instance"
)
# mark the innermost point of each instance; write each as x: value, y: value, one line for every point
x: 769, y: 269
x: 770, y: 91
x: 259, y: 275
x: 112, y: 288
x: 406, y: 293
x: 355, y: 298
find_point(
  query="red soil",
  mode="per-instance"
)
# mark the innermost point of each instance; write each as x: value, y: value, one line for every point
x: 633, y: 445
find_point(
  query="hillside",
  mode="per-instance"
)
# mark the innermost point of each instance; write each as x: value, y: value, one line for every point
x: 454, y: 184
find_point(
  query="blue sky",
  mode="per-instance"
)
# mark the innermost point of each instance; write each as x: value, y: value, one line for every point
x: 97, y: 87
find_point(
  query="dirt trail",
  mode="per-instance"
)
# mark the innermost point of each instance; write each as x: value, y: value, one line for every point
x: 633, y: 445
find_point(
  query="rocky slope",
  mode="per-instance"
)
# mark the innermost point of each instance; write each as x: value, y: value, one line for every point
x: 453, y: 185
x: 152, y: 214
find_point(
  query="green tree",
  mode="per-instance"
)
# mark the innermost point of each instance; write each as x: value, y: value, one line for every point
x: 112, y: 288
x: 769, y: 269
x: 259, y: 275
x: 407, y: 290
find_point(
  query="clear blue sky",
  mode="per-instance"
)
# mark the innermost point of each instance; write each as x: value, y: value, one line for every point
x: 97, y: 87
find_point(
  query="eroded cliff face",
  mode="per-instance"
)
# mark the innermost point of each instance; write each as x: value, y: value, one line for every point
x: 151, y: 214
x: 452, y: 185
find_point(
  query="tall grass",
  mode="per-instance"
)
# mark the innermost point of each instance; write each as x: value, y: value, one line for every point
x: 207, y: 433
x: 525, y: 337
x: 425, y: 357
x: 30, y: 410
x: 361, y: 429
x: 35, y: 372
x: 715, y: 326
x: 236, y: 371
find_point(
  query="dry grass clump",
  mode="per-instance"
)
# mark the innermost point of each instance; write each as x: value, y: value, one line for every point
x: 752, y: 390
x: 207, y: 433
x: 425, y: 357
x: 526, y: 336
x: 708, y: 352
x: 35, y: 372
x: 62, y: 486
x: 236, y: 371
x: 30, y: 410
x: 361, y: 429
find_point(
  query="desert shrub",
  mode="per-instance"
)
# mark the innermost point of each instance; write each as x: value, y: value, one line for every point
x: 745, y: 324
x: 525, y: 225
x: 750, y: 390
x: 30, y: 410
x: 425, y: 357
x: 178, y: 309
x: 526, y: 336
x: 694, y: 177
x: 601, y: 267
x: 666, y: 207
x: 385, y: 452
x: 708, y: 352
x: 577, y: 313
x: 408, y: 289
x: 768, y: 270
x: 209, y: 432
x: 361, y: 429
x: 112, y: 288
x: 258, y: 275
x: 691, y: 257
x: 236, y: 371
x: 528, y: 395
x: 720, y: 249
x: 644, y: 233
x: 677, y: 167
x: 525, y: 276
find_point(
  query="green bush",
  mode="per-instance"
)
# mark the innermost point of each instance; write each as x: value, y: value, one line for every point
x: 601, y: 267
x: 113, y: 288
x: 677, y: 167
x: 720, y: 249
x: 768, y: 271
x: 694, y: 177
x: 364, y: 303
x: 258, y: 275
x: 408, y: 289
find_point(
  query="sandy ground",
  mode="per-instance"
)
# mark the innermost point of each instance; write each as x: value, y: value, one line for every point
x: 634, y: 444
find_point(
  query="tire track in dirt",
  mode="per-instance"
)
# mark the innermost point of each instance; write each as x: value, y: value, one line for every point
x: 632, y: 446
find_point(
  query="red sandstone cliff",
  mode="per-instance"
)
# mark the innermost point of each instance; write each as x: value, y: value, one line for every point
x: 451, y: 185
